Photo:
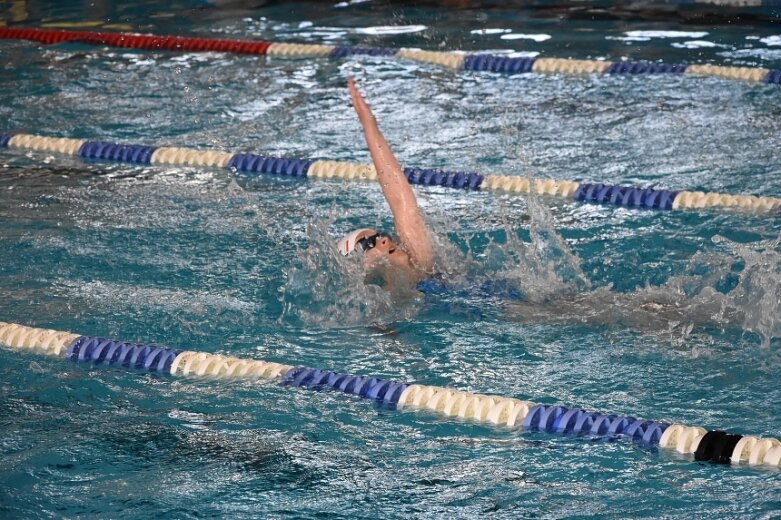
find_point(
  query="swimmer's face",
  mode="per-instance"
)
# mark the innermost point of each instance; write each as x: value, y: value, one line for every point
x: 385, y: 250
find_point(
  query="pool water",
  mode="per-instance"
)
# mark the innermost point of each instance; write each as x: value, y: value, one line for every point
x: 671, y: 316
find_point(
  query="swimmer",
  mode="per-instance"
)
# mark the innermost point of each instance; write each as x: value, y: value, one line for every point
x: 407, y: 264
x: 403, y: 262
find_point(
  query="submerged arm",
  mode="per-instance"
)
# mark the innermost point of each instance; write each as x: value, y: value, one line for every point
x: 409, y: 223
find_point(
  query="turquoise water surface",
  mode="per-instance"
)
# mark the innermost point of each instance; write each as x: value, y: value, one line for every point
x: 213, y: 261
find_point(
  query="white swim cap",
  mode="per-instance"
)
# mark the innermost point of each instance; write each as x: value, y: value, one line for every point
x: 347, y: 243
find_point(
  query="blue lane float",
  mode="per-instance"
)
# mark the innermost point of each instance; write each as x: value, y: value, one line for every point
x: 642, y: 67
x: 626, y: 196
x: 380, y: 390
x: 154, y: 358
x: 552, y: 419
x: 773, y: 77
x: 252, y: 163
x: 563, y: 421
x: 708, y: 446
x: 458, y: 180
x: 129, y: 153
x: 347, y: 51
x: 494, y: 63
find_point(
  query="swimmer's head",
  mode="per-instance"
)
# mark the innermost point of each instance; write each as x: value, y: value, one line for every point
x: 356, y: 239
x: 375, y: 246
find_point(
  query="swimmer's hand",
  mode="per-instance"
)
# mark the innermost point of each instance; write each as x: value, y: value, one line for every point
x: 361, y: 108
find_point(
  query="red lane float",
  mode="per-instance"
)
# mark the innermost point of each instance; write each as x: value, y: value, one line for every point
x: 136, y: 41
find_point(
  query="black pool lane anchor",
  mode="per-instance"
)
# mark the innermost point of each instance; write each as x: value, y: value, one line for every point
x: 717, y: 446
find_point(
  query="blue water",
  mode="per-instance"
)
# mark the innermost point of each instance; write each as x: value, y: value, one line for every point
x: 200, y: 259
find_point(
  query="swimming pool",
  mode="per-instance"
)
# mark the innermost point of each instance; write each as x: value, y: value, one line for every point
x: 199, y: 259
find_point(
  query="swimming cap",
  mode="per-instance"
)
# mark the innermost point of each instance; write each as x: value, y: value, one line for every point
x: 347, y: 243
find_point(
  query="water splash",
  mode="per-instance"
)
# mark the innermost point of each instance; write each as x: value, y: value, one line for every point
x: 327, y: 289
x: 718, y: 292
x: 758, y: 292
x: 547, y: 266
x: 739, y: 291
x: 539, y: 270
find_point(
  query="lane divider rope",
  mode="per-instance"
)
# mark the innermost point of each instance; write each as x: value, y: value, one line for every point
x: 448, y: 59
x: 251, y: 163
x: 708, y: 446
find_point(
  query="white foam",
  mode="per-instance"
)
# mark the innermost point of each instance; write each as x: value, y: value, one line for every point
x: 351, y: 2
x: 535, y: 37
x: 489, y: 31
x: 762, y: 54
x: 524, y: 54
x: 628, y: 38
x: 665, y: 34
x: 509, y: 53
x: 323, y: 34
x: 390, y: 29
x: 696, y: 44
x: 771, y: 40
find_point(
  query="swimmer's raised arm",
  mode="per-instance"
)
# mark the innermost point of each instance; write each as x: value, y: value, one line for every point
x: 409, y: 223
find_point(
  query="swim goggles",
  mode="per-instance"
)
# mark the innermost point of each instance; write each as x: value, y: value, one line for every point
x: 365, y: 238
x: 370, y: 242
